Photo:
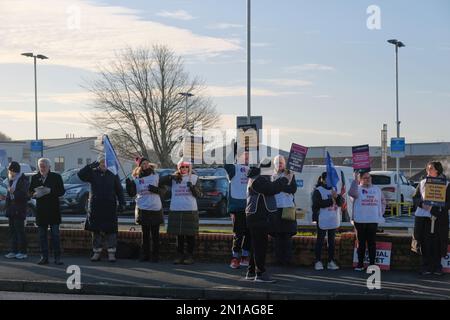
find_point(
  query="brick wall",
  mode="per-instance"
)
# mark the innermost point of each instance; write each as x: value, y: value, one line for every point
x: 217, y: 247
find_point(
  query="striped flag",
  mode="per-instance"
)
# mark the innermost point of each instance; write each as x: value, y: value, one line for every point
x: 111, y: 160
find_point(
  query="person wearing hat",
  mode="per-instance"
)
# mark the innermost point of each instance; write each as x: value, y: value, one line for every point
x: 369, y: 206
x: 106, y: 191
x: 183, y: 214
x: 260, y: 204
x: 148, y: 211
x: 47, y: 186
x: 16, y: 210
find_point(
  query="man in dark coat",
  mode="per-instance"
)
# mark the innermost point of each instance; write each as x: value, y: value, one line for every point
x: 47, y: 187
x: 106, y: 190
x: 16, y: 210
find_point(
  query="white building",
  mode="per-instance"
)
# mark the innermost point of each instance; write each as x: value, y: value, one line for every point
x: 67, y: 153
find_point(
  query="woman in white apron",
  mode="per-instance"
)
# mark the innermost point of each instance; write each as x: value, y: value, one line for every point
x: 183, y: 214
x: 326, y: 206
x: 148, y: 211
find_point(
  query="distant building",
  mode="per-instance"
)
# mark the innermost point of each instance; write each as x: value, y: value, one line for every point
x: 66, y: 153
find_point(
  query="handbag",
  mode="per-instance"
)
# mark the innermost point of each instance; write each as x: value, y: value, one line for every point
x: 288, y: 214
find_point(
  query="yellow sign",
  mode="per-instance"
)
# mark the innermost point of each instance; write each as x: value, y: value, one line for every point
x: 435, y: 191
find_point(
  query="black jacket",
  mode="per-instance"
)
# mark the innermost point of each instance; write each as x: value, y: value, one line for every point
x: 441, y: 224
x: 47, y: 207
x: 263, y: 185
x: 17, y: 208
x: 106, y: 191
x: 318, y: 203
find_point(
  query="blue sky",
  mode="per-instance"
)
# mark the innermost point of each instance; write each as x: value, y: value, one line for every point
x: 319, y: 74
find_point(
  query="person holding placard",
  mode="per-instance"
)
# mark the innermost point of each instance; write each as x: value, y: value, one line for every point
x: 46, y: 187
x: 260, y: 204
x: 431, y: 219
x: 148, y: 211
x: 369, y: 206
x: 326, y: 207
x: 183, y: 215
x: 237, y: 174
x: 283, y: 223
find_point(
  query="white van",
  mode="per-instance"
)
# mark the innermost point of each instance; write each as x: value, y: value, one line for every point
x: 306, y: 182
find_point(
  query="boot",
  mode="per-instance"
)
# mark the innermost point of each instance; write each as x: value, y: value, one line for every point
x: 112, y: 254
x: 97, y: 255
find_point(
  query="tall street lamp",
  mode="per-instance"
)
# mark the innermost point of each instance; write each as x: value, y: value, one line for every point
x: 42, y: 57
x: 249, y: 56
x: 397, y: 44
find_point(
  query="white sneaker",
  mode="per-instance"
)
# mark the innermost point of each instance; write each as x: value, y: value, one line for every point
x: 10, y: 255
x: 21, y: 256
x: 332, y: 266
x: 318, y: 266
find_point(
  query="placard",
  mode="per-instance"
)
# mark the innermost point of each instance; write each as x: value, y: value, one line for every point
x: 297, y: 157
x: 361, y: 157
x: 435, y: 190
x: 445, y: 261
x: 382, y: 258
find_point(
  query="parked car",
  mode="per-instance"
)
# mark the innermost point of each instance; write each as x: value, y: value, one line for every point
x: 215, y: 195
x: 387, y: 182
x: 211, y: 172
x: 31, y: 203
x: 76, y: 198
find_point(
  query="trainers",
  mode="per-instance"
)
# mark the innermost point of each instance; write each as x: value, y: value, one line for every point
x: 245, y: 261
x: 264, y: 277
x: 234, y: 263
x: 10, y: 255
x: 318, y: 266
x: 43, y: 261
x: 438, y: 273
x: 96, y: 257
x: 425, y: 273
x: 332, y: 266
x: 359, y: 268
x: 250, y: 276
x: 111, y: 256
x: 21, y: 256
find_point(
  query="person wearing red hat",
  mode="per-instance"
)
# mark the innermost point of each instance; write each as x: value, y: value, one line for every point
x: 183, y: 215
x: 148, y: 212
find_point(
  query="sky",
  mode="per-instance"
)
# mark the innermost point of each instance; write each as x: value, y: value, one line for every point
x: 321, y: 74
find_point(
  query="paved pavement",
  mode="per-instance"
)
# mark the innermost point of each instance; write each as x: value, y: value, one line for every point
x: 213, y: 281
x: 55, y: 296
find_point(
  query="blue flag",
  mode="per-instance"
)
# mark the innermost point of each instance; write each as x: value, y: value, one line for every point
x: 111, y: 161
x: 332, y: 175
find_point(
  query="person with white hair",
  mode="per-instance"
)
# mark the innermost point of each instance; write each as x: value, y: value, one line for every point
x: 46, y: 187
x: 183, y: 215
x: 102, y: 220
x: 283, y: 222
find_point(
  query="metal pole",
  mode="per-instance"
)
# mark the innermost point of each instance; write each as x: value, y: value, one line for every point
x: 248, y: 61
x: 186, y: 112
x: 35, y: 105
x: 397, y: 162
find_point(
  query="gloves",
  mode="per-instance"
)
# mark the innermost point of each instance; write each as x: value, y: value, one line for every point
x: 120, y: 208
x: 94, y: 165
x: 153, y: 189
x: 284, y: 181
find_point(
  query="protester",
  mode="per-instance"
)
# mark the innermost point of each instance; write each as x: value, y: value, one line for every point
x: 431, y: 241
x: 148, y: 212
x: 260, y: 203
x: 183, y: 215
x: 16, y: 210
x: 106, y: 191
x: 326, y: 203
x: 237, y: 174
x: 369, y: 206
x: 47, y: 186
x: 283, y: 223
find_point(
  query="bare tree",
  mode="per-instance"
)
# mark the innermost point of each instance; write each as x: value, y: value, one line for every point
x: 4, y: 137
x: 139, y: 105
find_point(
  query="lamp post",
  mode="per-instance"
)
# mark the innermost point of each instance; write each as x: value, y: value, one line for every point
x: 249, y: 90
x: 42, y: 57
x: 397, y: 44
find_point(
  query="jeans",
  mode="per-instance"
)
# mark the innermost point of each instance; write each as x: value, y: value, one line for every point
x: 43, y: 237
x: 97, y: 240
x: 366, y: 232
x: 331, y: 243
x: 17, y: 236
x: 259, y: 250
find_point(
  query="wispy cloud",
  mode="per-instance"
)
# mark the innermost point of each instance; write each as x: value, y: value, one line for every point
x: 260, y: 44
x: 56, y: 117
x: 286, y: 82
x: 308, y: 67
x: 178, y: 15
x: 75, y: 98
x: 81, y: 34
x: 322, y: 96
x: 241, y: 91
x: 223, y: 26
